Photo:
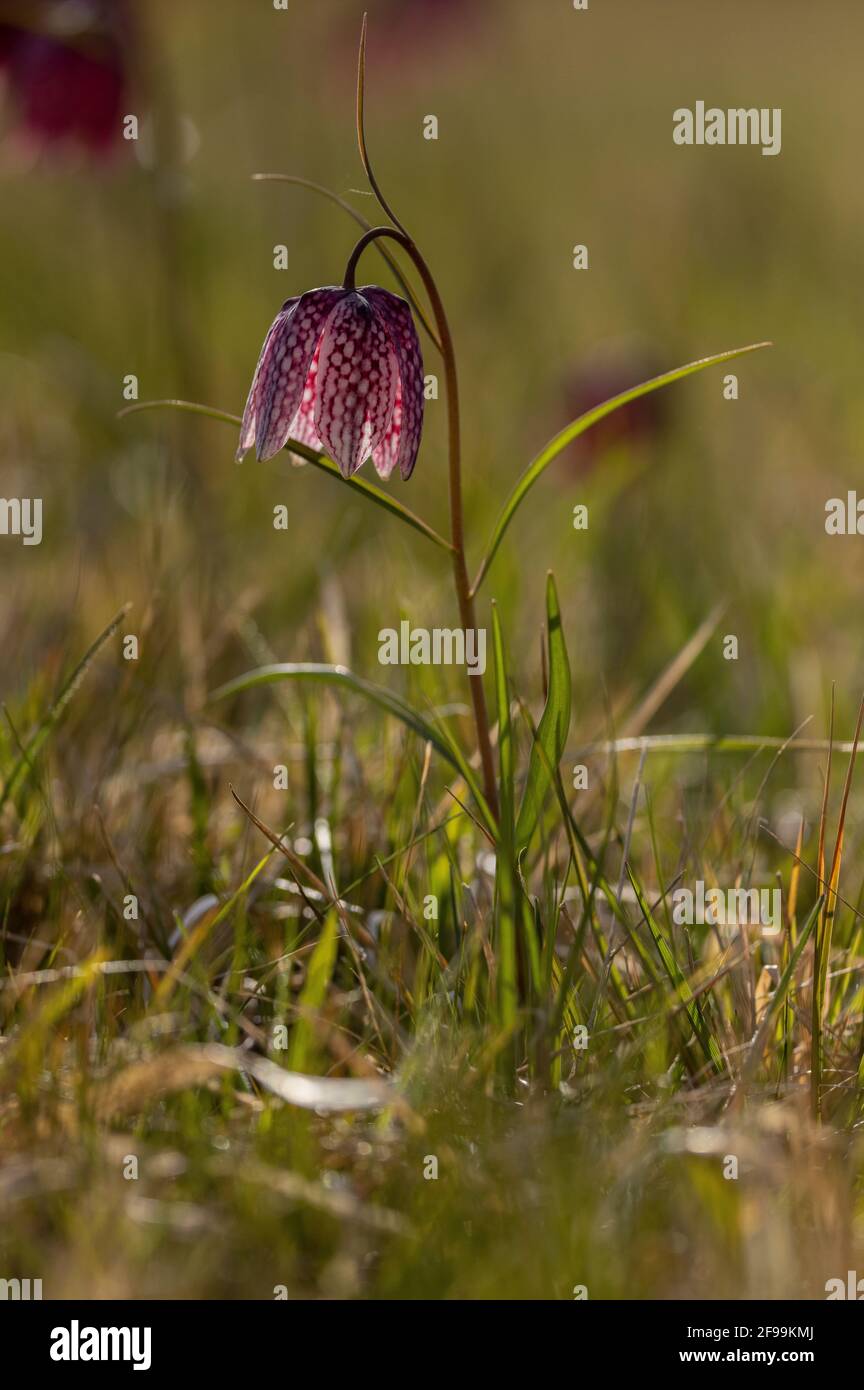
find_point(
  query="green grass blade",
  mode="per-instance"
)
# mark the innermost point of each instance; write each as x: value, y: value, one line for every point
x: 554, y: 724
x: 505, y: 883
x: 677, y: 979
x: 321, y: 966
x: 340, y: 675
x: 191, y: 944
x: 825, y: 927
x: 469, y: 777
x: 24, y: 765
x: 779, y: 995
x: 579, y: 426
x: 318, y: 460
x: 505, y: 730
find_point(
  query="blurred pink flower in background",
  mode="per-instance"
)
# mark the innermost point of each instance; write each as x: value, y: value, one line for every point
x: 64, y: 72
x: 403, y: 31
x: 610, y: 369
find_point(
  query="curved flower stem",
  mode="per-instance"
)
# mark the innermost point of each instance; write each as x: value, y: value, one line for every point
x: 361, y: 130
x: 464, y: 596
x: 462, y: 583
x: 363, y: 222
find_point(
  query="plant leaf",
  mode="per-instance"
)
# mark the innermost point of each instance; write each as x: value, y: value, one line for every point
x: 554, y: 724
x: 190, y: 945
x: 825, y: 922
x: 505, y: 882
x: 319, y: 974
x: 318, y: 460
x: 340, y: 675
x: 778, y: 997
x: 579, y: 426
x: 468, y: 776
x: 505, y: 732
x: 677, y: 979
x: 24, y: 764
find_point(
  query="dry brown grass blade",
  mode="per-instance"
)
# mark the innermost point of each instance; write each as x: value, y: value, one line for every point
x: 674, y: 673
x: 634, y: 724
x: 142, y: 1083
x: 825, y: 927
x: 192, y: 1065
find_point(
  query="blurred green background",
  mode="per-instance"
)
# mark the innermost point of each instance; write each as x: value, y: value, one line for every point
x: 154, y: 258
x: 555, y: 128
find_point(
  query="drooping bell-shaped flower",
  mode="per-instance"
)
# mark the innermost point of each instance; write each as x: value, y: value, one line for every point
x: 340, y: 370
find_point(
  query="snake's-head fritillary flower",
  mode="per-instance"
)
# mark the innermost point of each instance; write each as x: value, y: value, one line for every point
x: 340, y: 370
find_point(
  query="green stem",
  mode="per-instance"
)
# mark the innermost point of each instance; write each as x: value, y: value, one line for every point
x: 464, y: 596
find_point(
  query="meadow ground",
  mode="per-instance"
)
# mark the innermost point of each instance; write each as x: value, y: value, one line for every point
x: 554, y: 1085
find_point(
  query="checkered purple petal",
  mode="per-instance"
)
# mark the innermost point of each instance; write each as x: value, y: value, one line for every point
x: 403, y: 440
x: 247, y: 428
x: 356, y: 383
x: 285, y: 368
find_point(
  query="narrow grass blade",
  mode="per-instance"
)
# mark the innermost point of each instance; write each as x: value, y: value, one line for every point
x: 23, y: 1054
x: 191, y: 944
x: 505, y: 730
x: 707, y: 1040
x: 340, y: 675
x: 363, y: 222
x: 670, y: 678
x: 318, y: 460
x: 825, y: 926
x: 458, y: 759
x: 320, y: 972
x: 716, y: 743
x: 554, y: 724
x: 24, y: 765
x: 505, y: 885
x: 579, y: 426
x: 779, y: 996
x: 815, y: 1000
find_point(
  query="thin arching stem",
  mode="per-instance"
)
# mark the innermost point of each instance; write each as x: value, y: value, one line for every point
x: 361, y: 131
x: 465, y: 598
x: 361, y: 221
x: 457, y: 528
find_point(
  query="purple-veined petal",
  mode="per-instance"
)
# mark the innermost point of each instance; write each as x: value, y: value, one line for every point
x: 247, y: 428
x: 286, y: 367
x: 303, y: 425
x: 357, y: 375
x: 385, y: 455
x: 396, y: 315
